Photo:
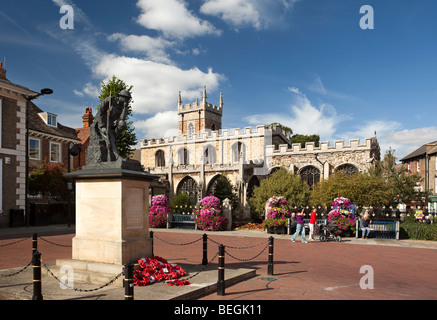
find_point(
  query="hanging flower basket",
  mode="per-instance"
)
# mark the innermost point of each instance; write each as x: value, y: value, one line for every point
x: 158, y: 212
x: 209, y: 217
x: 341, y: 215
x: 277, y: 214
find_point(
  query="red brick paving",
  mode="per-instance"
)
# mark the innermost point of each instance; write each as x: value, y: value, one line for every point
x: 301, y: 271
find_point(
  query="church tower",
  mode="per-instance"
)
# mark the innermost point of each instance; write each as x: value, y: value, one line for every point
x: 199, y: 116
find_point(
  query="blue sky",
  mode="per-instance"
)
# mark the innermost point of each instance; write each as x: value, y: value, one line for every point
x: 304, y: 63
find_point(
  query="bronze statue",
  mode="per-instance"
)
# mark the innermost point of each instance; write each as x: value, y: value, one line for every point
x: 109, y: 122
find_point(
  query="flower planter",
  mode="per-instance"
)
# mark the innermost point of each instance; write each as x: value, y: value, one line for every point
x: 278, y: 230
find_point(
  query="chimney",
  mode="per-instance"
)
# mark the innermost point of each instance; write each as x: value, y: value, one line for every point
x: 2, y: 72
x: 88, y: 118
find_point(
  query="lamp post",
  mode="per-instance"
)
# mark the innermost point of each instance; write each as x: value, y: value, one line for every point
x: 28, y: 98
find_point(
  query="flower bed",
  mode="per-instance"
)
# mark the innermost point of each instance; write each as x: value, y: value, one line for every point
x: 157, y: 269
x: 209, y: 217
x: 158, y: 212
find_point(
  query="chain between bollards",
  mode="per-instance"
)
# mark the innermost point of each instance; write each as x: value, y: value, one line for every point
x: 270, y: 263
x: 37, y: 286
x: 221, y: 271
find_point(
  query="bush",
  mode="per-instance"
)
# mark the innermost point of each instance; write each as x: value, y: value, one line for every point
x: 181, y: 203
x: 418, y: 231
x: 281, y: 182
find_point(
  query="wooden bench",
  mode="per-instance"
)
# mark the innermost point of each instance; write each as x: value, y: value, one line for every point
x: 381, y: 229
x: 181, y: 221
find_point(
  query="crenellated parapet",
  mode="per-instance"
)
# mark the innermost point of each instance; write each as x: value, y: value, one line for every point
x: 324, y: 146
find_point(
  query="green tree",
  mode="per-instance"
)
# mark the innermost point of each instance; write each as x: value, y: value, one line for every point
x: 224, y: 190
x: 127, y: 139
x: 280, y: 183
x: 302, y: 139
x: 48, y: 179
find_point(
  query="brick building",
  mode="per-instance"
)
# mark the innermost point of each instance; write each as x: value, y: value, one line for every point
x: 423, y: 162
x: 12, y: 146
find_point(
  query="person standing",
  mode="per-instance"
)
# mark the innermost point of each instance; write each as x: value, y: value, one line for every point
x: 300, y: 228
x: 313, y: 221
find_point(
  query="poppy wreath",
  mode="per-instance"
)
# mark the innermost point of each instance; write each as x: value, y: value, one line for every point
x: 157, y: 269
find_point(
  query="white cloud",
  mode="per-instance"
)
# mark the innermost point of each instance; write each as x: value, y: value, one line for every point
x: 234, y: 12
x: 305, y: 118
x: 156, y: 85
x: 259, y: 14
x: 173, y: 19
x: 88, y: 90
x: 161, y: 125
x: 154, y: 48
x: 391, y: 135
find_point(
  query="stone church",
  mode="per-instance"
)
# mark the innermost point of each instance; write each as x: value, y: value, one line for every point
x: 192, y: 161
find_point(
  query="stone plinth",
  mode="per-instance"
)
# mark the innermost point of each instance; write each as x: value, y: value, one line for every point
x: 111, y: 215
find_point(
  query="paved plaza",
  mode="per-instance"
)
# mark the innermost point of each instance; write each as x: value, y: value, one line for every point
x: 402, y: 269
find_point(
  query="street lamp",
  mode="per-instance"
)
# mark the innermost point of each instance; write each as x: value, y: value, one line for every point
x: 45, y: 91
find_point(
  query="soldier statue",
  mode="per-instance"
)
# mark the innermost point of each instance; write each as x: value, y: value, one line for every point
x: 109, y: 122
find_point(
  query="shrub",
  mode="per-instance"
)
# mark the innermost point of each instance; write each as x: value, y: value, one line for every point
x: 282, y: 182
x: 418, y: 231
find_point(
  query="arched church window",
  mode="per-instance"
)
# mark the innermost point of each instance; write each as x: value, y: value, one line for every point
x: 160, y: 158
x: 310, y: 175
x: 238, y: 150
x: 189, y: 186
x: 209, y: 154
x: 347, y: 168
x: 190, y: 130
x: 183, y: 158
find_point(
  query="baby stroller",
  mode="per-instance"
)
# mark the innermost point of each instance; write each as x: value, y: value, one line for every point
x: 327, y: 232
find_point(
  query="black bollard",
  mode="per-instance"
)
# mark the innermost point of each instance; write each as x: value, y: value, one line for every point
x: 270, y: 264
x: 205, y: 250
x: 129, y: 281
x: 34, y: 244
x: 37, y: 286
x: 221, y: 271
x: 151, y: 237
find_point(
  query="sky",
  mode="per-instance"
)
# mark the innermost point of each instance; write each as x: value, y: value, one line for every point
x: 316, y: 66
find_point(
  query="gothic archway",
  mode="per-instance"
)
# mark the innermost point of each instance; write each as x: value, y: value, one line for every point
x: 189, y: 186
x: 253, y: 182
x: 310, y: 175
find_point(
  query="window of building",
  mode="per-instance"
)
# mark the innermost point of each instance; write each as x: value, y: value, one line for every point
x: 34, y: 149
x: 55, y: 152
x: 190, y: 130
x: 183, y: 156
x: 417, y: 166
x: 238, y: 150
x: 310, y: 175
x: 160, y: 158
x: 435, y: 185
x: 209, y: 155
x: 52, y: 120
